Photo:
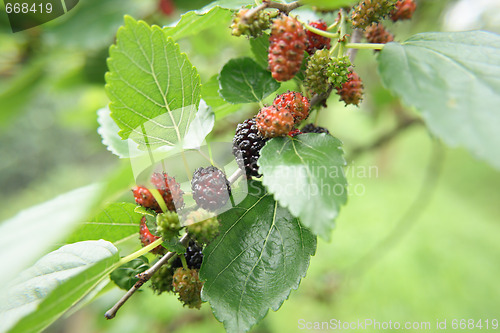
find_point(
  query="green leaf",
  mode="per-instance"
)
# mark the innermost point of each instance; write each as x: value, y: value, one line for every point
x: 108, y: 130
x: 262, y: 253
x: 28, y: 235
x: 260, y: 49
x: 329, y: 4
x: 453, y: 79
x: 242, y: 80
x: 153, y: 88
x: 115, y: 223
x: 56, y: 282
x: 194, y: 22
x: 306, y: 174
x: 124, y: 276
x: 210, y: 94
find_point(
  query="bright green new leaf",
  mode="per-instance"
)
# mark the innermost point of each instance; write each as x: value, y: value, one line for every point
x: 453, y: 79
x: 194, y: 22
x: 115, y: 223
x: 55, y: 283
x: 261, y: 254
x: 153, y: 88
x: 305, y: 174
x: 242, y: 80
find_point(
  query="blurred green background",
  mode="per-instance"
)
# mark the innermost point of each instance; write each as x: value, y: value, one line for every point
x: 418, y: 240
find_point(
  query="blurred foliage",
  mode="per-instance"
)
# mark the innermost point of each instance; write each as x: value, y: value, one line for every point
x: 444, y: 266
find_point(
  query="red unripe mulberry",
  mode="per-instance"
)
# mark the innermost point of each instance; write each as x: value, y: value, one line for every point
x: 286, y: 50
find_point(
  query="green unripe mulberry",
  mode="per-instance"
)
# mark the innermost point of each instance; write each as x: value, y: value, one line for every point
x: 316, y: 72
x: 168, y: 225
x: 251, y: 26
x: 161, y: 281
x: 202, y: 225
x: 338, y: 70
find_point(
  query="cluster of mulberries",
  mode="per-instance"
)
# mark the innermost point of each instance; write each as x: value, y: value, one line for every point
x: 368, y: 14
x: 184, y: 281
x: 210, y: 187
x: 278, y: 119
x: 210, y: 190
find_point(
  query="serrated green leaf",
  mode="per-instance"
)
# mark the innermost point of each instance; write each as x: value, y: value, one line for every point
x: 153, y: 88
x: 194, y: 22
x: 329, y: 4
x: 108, y: 130
x: 56, y: 282
x: 453, y: 79
x: 242, y: 80
x: 115, y: 223
x: 124, y: 276
x: 305, y: 174
x: 39, y: 228
x: 210, y: 94
x: 260, y: 49
x: 261, y: 254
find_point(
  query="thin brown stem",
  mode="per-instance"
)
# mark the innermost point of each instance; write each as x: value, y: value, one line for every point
x: 143, y: 278
x: 282, y: 7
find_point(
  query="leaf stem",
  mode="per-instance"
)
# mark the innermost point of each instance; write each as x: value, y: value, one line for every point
x: 333, y: 26
x: 184, y: 262
x: 342, y: 29
x: 159, y: 198
x: 140, y: 252
x: 320, y: 32
x: 365, y: 46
